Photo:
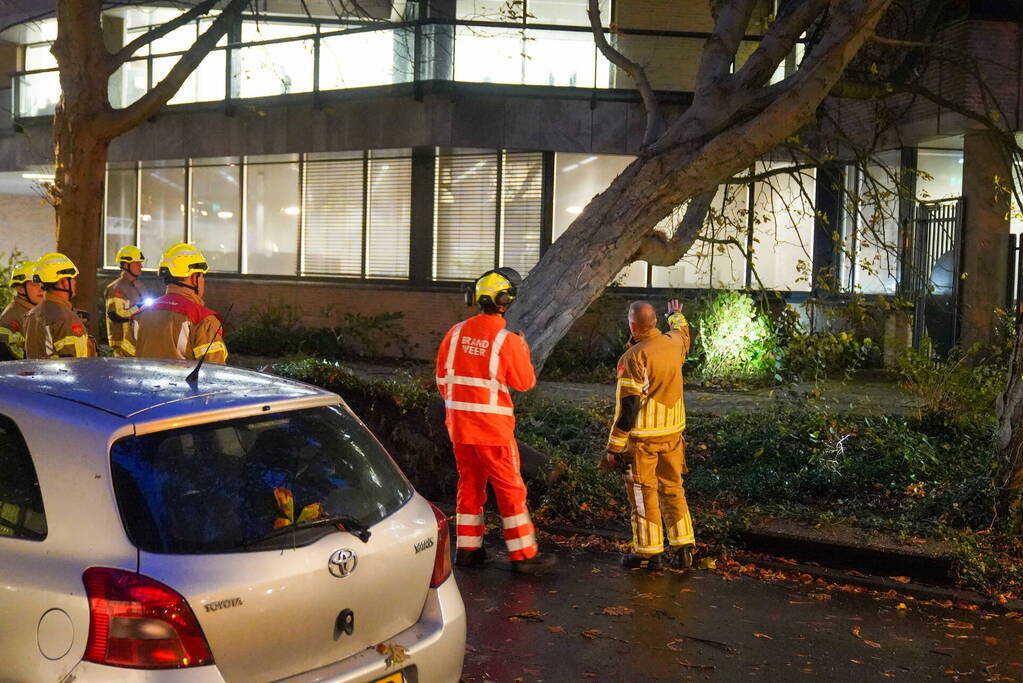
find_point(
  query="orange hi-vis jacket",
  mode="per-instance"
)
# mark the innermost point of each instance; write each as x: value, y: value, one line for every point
x: 478, y: 361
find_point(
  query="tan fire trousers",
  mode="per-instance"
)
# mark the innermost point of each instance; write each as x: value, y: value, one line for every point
x: 654, y: 484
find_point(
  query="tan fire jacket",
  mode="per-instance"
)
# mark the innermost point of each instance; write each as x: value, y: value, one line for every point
x: 12, y: 329
x: 122, y: 298
x: 178, y: 325
x: 648, y: 403
x: 54, y: 330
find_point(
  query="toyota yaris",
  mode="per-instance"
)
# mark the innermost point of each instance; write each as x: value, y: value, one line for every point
x: 239, y: 527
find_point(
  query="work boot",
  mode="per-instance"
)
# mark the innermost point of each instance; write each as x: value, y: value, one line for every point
x: 471, y: 557
x: 683, y: 557
x: 637, y: 561
x: 536, y: 565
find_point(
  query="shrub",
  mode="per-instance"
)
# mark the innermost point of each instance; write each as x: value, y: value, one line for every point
x: 7, y: 264
x: 815, y: 356
x: 736, y: 339
x: 959, y: 389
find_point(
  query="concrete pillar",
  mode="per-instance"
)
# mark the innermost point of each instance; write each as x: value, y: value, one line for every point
x: 985, y: 236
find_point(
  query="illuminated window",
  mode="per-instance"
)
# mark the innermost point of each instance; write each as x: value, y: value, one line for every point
x: 869, y: 259
x: 161, y: 208
x: 272, y: 215
x: 120, y: 211
x: 216, y: 211
x: 277, y: 68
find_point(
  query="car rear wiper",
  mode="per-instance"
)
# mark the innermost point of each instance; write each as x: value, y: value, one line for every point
x: 343, y: 523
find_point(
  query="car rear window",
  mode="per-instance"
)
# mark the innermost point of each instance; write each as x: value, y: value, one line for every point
x: 226, y: 486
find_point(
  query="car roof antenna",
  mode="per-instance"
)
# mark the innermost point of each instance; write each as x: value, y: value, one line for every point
x: 193, y: 376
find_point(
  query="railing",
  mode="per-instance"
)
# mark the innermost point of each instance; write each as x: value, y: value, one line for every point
x: 376, y: 55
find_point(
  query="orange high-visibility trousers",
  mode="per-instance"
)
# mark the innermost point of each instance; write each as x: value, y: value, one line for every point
x: 499, y: 465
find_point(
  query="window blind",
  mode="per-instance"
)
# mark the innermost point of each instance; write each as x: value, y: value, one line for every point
x: 388, y: 225
x: 521, y: 210
x: 333, y: 200
x: 465, y: 216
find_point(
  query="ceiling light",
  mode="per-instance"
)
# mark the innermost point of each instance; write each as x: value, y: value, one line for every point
x: 291, y: 210
x: 225, y: 214
x: 39, y: 176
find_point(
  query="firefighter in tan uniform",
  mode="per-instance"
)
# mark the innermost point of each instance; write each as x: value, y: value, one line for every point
x: 27, y: 293
x: 53, y: 328
x: 646, y: 438
x: 178, y: 324
x: 123, y: 299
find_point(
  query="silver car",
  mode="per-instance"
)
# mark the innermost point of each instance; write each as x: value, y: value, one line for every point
x: 241, y: 527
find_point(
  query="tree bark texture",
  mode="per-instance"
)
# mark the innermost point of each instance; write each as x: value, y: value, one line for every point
x: 735, y: 119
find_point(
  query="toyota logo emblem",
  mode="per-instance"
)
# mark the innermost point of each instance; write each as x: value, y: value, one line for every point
x: 342, y: 562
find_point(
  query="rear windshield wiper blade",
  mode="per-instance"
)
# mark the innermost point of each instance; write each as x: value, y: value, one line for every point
x: 343, y: 523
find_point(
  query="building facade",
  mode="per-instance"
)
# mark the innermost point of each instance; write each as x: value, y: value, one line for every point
x: 360, y: 166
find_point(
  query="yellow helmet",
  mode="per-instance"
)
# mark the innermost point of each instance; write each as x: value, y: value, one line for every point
x: 129, y: 253
x: 182, y: 260
x: 22, y: 273
x: 53, y: 267
x: 498, y: 287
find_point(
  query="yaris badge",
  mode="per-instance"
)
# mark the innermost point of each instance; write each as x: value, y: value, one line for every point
x: 342, y: 562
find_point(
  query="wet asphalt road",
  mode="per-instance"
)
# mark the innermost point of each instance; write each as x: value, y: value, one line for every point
x: 704, y: 626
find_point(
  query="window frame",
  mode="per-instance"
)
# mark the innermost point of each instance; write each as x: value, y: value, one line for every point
x: 8, y: 424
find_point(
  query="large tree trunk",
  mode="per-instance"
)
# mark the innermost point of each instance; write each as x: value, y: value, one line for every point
x: 1009, y: 438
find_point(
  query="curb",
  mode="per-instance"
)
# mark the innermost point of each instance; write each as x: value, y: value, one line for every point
x: 877, y: 583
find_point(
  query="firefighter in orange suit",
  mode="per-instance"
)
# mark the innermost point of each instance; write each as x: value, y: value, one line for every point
x: 53, y: 329
x: 27, y: 293
x: 647, y: 441
x: 178, y: 324
x: 478, y: 363
x: 123, y: 299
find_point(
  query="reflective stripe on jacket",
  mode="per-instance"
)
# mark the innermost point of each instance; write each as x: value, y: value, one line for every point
x: 478, y: 363
x: 179, y: 326
x: 122, y: 298
x: 648, y: 399
x: 54, y: 330
x: 12, y: 328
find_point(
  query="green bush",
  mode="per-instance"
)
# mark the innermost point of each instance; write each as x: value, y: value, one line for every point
x: 958, y: 389
x: 278, y: 331
x: 736, y: 339
x: 814, y: 356
x: 7, y: 264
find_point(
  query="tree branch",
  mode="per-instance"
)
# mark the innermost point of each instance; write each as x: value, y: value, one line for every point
x: 125, y: 53
x: 660, y: 249
x: 778, y: 42
x: 730, y: 22
x: 636, y: 72
x: 117, y: 121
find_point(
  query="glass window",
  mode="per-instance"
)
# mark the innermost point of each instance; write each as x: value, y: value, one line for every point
x: 389, y: 217
x: 120, y: 213
x: 275, y: 69
x: 162, y: 209
x: 333, y: 230
x: 357, y: 60
x: 205, y: 84
x: 489, y: 55
x: 870, y: 234
x: 488, y: 10
x: 251, y: 484
x: 562, y: 58
x: 521, y: 210
x: 565, y: 12
x: 216, y: 214
x: 465, y: 216
x: 783, y: 226
x: 272, y: 213
x: 38, y: 93
x: 577, y: 178
x: 128, y: 83
x: 940, y: 174
x: 21, y: 503
x: 39, y: 57
x: 717, y: 260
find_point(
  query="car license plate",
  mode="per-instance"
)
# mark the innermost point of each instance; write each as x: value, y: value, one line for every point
x: 393, y: 678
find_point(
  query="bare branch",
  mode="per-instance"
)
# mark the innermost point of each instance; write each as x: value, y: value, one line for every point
x: 730, y: 22
x: 660, y: 249
x: 636, y: 72
x: 125, y: 53
x: 118, y: 121
x: 778, y: 42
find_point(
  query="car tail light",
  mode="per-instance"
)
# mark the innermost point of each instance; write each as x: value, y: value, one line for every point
x: 137, y: 622
x: 442, y: 563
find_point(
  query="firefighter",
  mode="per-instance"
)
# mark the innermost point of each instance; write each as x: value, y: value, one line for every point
x: 53, y: 329
x: 123, y: 299
x: 478, y: 363
x: 178, y: 324
x: 27, y: 293
x: 647, y: 441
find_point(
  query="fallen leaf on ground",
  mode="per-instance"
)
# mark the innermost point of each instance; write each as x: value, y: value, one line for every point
x: 708, y: 563
x: 959, y: 624
x: 531, y: 615
x: 556, y: 629
x: 587, y: 674
x: 591, y: 634
x: 820, y: 596
x: 617, y: 611
x: 900, y: 579
x: 646, y: 596
x: 763, y: 635
x: 700, y: 667
x: 855, y: 630
x: 871, y: 643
